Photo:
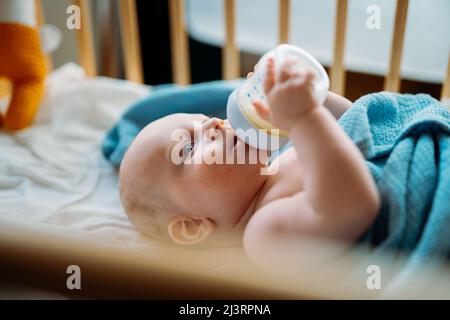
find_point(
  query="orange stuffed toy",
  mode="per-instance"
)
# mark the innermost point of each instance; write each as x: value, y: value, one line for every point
x: 21, y: 61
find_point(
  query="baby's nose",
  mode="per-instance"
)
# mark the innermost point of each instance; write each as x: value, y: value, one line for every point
x: 215, y: 123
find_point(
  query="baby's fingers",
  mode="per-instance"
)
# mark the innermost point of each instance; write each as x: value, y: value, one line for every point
x: 302, y: 78
x: 287, y: 70
x: 269, y: 79
x: 262, y: 109
x: 309, y: 76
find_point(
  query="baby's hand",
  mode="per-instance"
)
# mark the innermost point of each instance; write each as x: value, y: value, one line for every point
x: 289, y: 96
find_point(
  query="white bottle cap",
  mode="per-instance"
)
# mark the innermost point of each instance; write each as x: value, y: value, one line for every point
x: 242, y: 114
x: 256, y: 138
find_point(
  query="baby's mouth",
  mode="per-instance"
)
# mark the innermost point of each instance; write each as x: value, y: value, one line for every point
x: 230, y: 133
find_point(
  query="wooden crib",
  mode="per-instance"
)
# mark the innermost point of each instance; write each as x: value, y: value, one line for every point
x: 36, y: 259
x: 230, y: 57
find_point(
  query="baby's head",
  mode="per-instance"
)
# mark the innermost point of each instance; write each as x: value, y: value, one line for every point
x: 187, y: 201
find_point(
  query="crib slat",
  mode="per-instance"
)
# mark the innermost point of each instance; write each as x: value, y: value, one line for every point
x: 446, y: 85
x: 284, y: 20
x: 392, y: 80
x: 108, y: 42
x: 130, y: 40
x: 86, y: 51
x: 186, y: 274
x: 40, y: 18
x: 5, y: 88
x: 181, y: 73
x: 230, y: 53
x: 337, y: 72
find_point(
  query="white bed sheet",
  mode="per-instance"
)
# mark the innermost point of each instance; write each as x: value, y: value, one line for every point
x: 54, y: 178
x: 54, y: 173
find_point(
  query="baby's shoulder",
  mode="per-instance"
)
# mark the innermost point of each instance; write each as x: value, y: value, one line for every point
x: 287, y: 178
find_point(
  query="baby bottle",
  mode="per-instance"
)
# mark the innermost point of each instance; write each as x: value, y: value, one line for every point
x: 248, y: 125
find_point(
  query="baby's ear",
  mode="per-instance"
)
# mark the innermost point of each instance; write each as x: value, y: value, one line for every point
x: 187, y: 230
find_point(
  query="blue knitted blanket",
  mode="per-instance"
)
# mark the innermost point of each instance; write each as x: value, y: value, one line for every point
x: 405, y: 140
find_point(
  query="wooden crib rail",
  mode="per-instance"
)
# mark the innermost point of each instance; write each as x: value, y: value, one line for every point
x: 130, y: 41
x: 445, y: 94
x: 85, y: 43
x: 392, y: 80
x: 39, y: 258
x: 337, y: 70
x: 181, y: 73
x: 230, y: 52
x: 86, y: 49
x: 284, y: 14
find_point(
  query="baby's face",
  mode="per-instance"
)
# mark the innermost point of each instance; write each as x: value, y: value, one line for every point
x: 220, y: 192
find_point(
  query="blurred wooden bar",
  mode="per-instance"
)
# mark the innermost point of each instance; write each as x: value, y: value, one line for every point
x: 86, y: 51
x: 446, y: 85
x: 40, y: 257
x: 284, y: 21
x: 130, y: 40
x: 392, y: 80
x: 5, y: 88
x: 337, y: 72
x: 230, y: 54
x: 40, y: 18
x: 108, y: 24
x: 181, y: 73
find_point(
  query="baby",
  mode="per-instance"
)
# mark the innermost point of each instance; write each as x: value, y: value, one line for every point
x: 321, y: 190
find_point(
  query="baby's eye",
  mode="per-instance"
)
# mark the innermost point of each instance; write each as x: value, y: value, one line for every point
x: 187, y: 149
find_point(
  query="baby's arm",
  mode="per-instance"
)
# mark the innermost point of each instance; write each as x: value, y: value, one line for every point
x: 336, y: 104
x: 339, y: 200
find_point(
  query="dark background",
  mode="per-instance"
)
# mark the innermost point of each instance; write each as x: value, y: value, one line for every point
x: 155, y: 45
